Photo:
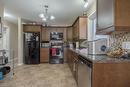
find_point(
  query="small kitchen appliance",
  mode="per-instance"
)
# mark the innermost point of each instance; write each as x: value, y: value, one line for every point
x: 97, y: 47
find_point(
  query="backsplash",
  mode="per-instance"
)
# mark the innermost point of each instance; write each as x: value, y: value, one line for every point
x: 116, y: 38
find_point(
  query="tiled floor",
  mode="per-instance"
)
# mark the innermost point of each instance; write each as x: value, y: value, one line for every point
x: 43, y: 75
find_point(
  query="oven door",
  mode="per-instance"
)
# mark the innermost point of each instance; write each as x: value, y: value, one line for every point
x: 84, y: 74
x: 56, y: 36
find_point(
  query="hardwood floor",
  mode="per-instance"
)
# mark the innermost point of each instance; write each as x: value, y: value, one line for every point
x: 42, y: 75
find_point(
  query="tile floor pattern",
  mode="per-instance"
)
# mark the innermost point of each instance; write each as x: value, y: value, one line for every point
x: 42, y: 75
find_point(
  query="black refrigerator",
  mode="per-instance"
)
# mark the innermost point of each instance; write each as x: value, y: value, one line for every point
x: 31, y: 48
x: 56, y: 48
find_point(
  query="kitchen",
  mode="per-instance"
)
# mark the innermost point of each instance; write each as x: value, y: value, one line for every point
x: 90, y: 48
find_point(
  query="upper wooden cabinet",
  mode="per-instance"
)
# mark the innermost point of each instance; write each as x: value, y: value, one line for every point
x: 47, y: 30
x: 113, y: 15
x: 43, y: 34
x: 69, y: 34
x: 32, y: 28
x: 80, y: 28
x: 46, y: 33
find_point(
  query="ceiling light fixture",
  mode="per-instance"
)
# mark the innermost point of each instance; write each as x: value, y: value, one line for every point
x: 45, y: 16
x: 86, y: 3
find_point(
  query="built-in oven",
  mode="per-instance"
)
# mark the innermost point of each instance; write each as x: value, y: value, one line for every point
x: 56, y: 52
x: 56, y: 36
x: 84, y: 72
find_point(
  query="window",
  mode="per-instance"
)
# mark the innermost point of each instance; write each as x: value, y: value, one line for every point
x: 92, y: 29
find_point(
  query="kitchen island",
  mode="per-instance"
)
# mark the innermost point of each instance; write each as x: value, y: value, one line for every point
x: 99, y: 70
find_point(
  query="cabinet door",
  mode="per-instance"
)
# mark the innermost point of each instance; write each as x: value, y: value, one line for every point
x: 32, y: 28
x: 122, y: 13
x: 71, y: 61
x: 43, y: 34
x: 69, y: 34
x: 76, y: 31
x: 44, y: 55
x: 83, y: 28
x: 47, y: 35
x: 75, y: 66
x: 69, y: 57
x: 65, y: 54
x: 105, y: 14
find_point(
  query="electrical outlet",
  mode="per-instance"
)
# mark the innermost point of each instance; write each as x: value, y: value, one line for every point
x: 126, y: 45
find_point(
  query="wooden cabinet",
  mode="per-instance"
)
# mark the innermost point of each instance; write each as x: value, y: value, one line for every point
x: 111, y: 75
x: 101, y: 74
x: 65, y: 55
x: 72, y: 59
x: 32, y: 28
x: 80, y: 28
x: 46, y: 32
x: 69, y: 34
x: 76, y: 31
x: 113, y: 15
x: 43, y: 34
x: 44, y: 55
x: 75, y: 66
x: 69, y: 59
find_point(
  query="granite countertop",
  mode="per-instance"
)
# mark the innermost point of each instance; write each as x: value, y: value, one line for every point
x: 100, y: 58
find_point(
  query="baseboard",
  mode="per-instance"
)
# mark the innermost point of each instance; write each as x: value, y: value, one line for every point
x: 16, y: 62
x: 20, y: 64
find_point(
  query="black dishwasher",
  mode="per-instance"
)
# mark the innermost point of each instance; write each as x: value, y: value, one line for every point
x: 84, y: 72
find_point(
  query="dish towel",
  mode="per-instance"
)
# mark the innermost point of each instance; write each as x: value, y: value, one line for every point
x: 53, y: 51
x: 57, y: 51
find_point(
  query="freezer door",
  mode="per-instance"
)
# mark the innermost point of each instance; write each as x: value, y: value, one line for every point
x: 32, y: 48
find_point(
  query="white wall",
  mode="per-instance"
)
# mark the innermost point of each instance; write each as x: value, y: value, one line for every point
x: 1, y: 15
x: 13, y: 37
x: 92, y: 8
x: 20, y: 42
x: 91, y: 12
x: 1, y: 9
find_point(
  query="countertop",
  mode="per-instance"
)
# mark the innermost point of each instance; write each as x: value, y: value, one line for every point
x: 100, y: 58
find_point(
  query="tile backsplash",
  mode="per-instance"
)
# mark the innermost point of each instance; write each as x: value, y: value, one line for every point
x: 116, y: 38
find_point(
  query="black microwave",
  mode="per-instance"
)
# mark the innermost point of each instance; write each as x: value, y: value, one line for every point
x: 56, y: 36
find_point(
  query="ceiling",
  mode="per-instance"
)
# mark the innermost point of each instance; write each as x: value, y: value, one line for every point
x: 65, y: 11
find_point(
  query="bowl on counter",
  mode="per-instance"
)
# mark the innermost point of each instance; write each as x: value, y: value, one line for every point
x: 115, y: 52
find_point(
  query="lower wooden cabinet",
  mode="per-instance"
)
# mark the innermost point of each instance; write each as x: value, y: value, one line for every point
x: 111, y: 75
x: 103, y: 74
x: 44, y: 55
x: 65, y: 55
x: 72, y: 60
x: 69, y: 58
